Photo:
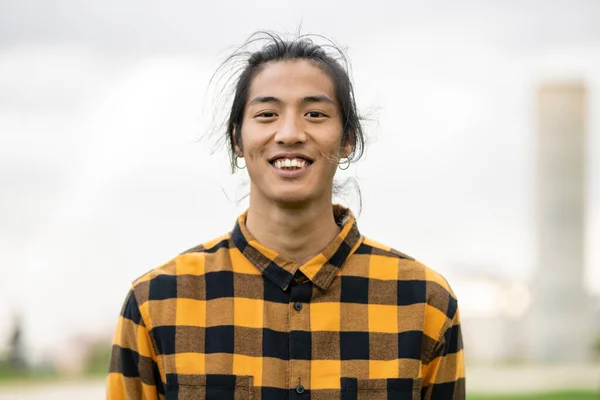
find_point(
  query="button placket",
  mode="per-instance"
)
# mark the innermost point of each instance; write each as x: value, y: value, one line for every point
x: 300, y: 337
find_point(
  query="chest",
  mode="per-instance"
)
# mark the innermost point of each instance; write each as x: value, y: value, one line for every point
x: 248, y: 337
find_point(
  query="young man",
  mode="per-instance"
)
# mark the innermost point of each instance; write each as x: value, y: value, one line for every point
x: 294, y: 302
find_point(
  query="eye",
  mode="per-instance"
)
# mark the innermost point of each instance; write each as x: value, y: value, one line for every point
x: 266, y: 115
x: 315, y: 114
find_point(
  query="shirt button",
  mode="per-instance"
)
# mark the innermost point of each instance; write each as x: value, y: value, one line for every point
x: 298, y: 306
x: 299, y: 389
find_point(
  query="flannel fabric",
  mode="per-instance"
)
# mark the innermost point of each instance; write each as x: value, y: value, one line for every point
x: 232, y: 319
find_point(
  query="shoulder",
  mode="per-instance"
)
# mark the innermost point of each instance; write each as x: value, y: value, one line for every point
x: 160, y: 283
x: 420, y: 287
x: 373, y: 247
x: 385, y: 260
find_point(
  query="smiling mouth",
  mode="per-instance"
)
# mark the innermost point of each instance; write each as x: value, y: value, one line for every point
x: 290, y: 164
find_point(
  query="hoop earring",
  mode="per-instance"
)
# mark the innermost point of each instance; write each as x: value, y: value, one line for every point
x: 344, y: 165
x: 235, y: 161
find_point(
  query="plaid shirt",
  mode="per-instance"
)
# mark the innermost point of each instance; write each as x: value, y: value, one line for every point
x: 232, y: 319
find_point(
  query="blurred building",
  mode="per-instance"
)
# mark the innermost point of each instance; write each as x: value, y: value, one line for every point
x: 493, y: 311
x: 74, y: 355
x: 561, y: 317
x: 552, y: 317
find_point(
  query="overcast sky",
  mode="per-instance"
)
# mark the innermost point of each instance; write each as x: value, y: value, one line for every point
x: 101, y: 105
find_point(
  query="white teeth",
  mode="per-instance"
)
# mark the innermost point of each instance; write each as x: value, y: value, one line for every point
x: 290, y: 163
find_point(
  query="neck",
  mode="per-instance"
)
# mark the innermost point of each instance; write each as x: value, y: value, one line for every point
x: 296, y: 233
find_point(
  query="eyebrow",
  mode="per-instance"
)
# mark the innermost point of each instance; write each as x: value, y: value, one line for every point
x: 304, y: 100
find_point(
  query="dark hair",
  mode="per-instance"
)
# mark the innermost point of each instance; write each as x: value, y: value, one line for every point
x: 328, y: 57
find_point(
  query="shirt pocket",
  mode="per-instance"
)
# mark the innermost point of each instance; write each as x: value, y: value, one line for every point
x: 209, y: 387
x: 381, y: 389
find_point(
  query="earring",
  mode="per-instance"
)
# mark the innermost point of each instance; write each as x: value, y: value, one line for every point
x: 235, y: 161
x: 344, y: 165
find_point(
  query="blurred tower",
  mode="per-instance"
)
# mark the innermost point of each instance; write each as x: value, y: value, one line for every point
x: 561, y: 312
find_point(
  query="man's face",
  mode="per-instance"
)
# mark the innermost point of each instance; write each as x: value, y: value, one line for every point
x: 291, y: 133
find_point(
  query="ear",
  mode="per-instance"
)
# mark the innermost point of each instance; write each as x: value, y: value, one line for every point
x: 236, y: 145
x: 238, y: 151
x: 348, y: 146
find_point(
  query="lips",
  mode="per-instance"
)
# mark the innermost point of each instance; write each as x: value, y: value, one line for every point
x: 290, y: 156
x: 287, y: 163
x: 290, y: 161
x: 291, y: 165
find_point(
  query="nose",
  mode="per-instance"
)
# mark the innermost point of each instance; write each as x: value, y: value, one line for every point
x: 291, y: 131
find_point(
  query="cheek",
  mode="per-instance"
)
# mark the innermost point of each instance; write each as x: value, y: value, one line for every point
x: 333, y: 138
x: 332, y: 147
x: 251, y: 148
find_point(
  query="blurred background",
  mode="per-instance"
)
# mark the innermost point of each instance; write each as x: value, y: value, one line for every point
x: 482, y: 162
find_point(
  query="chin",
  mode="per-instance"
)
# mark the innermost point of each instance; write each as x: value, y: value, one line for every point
x: 294, y: 201
x: 288, y: 195
x: 295, y: 198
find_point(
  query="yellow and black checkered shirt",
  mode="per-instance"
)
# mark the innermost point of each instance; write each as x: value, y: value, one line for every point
x: 232, y: 319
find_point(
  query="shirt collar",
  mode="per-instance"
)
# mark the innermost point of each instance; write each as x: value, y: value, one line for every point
x: 321, y: 269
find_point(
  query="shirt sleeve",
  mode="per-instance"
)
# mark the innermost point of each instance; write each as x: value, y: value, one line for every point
x: 444, y: 377
x: 133, y: 371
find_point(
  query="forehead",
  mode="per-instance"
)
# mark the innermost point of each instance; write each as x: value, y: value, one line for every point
x: 289, y: 80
